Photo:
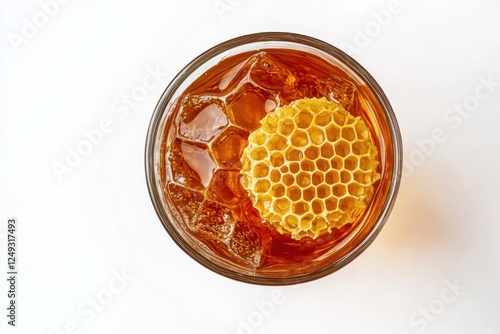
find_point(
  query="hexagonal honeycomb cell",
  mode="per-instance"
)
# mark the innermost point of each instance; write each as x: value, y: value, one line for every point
x: 310, y: 167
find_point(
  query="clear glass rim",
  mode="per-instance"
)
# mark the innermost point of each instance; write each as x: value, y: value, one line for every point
x: 172, y: 88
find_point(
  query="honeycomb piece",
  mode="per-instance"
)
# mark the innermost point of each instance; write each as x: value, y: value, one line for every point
x: 310, y: 167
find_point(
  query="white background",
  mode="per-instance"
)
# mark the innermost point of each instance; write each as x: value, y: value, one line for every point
x: 77, y: 234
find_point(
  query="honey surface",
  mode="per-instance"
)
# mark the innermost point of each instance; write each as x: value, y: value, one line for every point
x: 324, y: 170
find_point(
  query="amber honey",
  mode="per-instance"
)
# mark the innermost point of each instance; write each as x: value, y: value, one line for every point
x: 205, y: 136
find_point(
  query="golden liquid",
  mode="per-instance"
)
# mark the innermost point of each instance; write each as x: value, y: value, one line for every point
x: 207, y: 131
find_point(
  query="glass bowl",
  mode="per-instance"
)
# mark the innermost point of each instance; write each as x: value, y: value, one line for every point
x: 194, y: 179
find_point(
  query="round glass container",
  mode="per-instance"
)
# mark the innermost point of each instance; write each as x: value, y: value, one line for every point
x: 198, y: 131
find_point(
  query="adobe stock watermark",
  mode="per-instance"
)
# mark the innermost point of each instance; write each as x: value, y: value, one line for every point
x: 380, y: 19
x: 89, y: 309
x: 120, y: 110
x: 245, y: 324
x: 453, y: 119
x: 31, y: 26
x: 263, y: 310
x: 222, y: 7
x: 421, y: 319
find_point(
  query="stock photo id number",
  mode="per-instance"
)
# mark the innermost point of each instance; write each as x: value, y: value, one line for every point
x: 11, y: 271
